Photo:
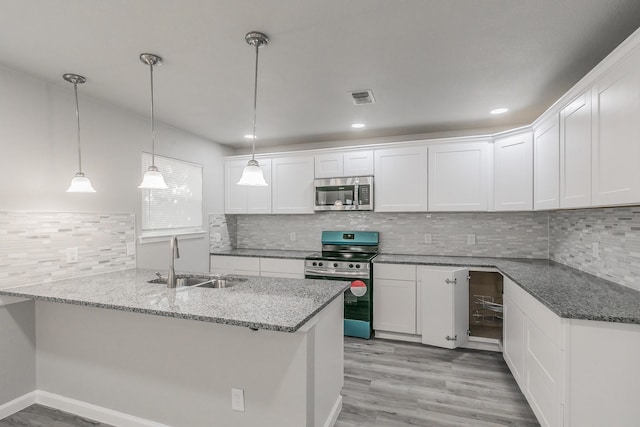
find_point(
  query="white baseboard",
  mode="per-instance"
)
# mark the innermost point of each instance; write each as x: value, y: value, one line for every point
x: 398, y: 336
x: 17, y: 404
x: 94, y: 412
x: 335, y: 412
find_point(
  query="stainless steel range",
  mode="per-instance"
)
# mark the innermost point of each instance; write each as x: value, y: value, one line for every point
x: 347, y: 256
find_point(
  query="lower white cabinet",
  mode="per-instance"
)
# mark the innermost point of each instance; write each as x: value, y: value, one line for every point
x: 533, y: 352
x: 444, y: 306
x: 254, y: 266
x: 394, y: 298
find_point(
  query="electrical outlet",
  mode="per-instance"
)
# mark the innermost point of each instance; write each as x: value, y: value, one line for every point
x: 131, y: 248
x: 292, y: 237
x: 471, y: 239
x: 427, y: 238
x: 237, y: 399
x: 595, y: 249
x: 217, y: 237
x: 72, y: 255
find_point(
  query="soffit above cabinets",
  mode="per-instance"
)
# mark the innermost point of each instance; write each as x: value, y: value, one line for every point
x: 434, y: 66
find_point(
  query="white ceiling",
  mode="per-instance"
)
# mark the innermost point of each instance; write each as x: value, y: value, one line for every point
x: 434, y: 65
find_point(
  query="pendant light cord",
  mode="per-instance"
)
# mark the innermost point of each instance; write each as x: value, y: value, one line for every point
x: 255, y: 105
x: 75, y: 89
x: 153, y: 131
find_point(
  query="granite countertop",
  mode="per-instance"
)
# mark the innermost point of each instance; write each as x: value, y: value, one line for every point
x: 265, y: 253
x: 567, y: 292
x: 276, y: 304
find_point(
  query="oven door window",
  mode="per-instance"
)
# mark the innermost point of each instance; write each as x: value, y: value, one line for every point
x: 334, y: 195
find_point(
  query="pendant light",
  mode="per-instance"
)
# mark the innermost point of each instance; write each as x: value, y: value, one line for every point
x: 252, y: 174
x: 79, y: 183
x: 152, y: 179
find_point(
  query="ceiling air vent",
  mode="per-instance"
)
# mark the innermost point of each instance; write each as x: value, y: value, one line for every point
x: 361, y: 97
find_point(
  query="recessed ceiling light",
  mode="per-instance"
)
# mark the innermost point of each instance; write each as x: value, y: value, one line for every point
x: 357, y: 125
x: 248, y: 136
x: 499, y: 111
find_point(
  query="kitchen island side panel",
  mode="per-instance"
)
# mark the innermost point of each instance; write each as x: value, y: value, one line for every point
x: 175, y: 371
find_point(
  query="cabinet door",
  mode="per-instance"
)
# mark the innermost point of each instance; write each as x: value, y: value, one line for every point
x: 259, y: 198
x: 514, y: 340
x: 513, y: 172
x: 546, y: 165
x: 329, y: 165
x: 616, y: 135
x: 292, y: 184
x: 401, y: 179
x: 575, y: 153
x: 459, y: 177
x: 235, y: 196
x: 358, y: 163
x: 394, y: 306
x: 445, y: 306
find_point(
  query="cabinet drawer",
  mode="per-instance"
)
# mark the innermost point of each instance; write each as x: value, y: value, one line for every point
x: 235, y: 265
x: 286, y: 266
x: 394, y: 272
x: 546, y: 320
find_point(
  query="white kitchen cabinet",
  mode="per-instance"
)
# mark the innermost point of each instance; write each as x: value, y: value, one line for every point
x: 278, y: 267
x: 546, y: 164
x: 616, y: 135
x: 292, y: 184
x: 243, y: 266
x: 401, y: 179
x: 394, y: 298
x: 444, y: 306
x: 339, y: 164
x: 575, y: 153
x: 459, y: 176
x: 513, y: 172
x: 240, y: 199
x: 533, y: 352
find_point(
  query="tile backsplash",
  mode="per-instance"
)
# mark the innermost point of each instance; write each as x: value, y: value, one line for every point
x: 519, y: 234
x: 614, y: 231
x: 34, y: 245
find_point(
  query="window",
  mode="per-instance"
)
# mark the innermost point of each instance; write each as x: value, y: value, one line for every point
x: 177, y: 210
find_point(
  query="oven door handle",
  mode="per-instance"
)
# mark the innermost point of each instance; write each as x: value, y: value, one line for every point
x: 346, y: 274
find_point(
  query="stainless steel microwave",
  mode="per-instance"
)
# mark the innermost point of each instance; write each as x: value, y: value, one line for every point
x: 349, y: 194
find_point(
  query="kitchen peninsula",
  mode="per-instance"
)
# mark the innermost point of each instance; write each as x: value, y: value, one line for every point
x: 108, y: 348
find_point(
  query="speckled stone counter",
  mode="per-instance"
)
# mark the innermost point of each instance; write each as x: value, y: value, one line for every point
x: 265, y: 253
x: 567, y: 292
x: 277, y: 304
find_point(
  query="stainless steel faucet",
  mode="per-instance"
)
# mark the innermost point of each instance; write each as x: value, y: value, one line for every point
x: 175, y: 253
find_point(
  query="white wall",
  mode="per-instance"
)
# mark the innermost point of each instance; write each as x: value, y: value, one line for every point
x: 39, y: 158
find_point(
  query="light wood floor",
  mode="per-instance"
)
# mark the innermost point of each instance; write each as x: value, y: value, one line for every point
x: 393, y: 384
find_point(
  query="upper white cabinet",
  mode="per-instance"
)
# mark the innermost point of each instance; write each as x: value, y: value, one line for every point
x: 444, y: 306
x: 292, y: 184
x: 616, y: 134
x: 351, y: 163
x: 459, y: 176
x: 546, y: 164
x: 513, y: 172
x: 575, y: 153
x: 239, y: 199
x: 401, y: 179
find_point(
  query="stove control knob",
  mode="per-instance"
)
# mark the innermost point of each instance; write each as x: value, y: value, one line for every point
x: 314, y: 263
x: 335, y: 264
x: 357, y: 265
x: 350, y: 265
x: 319, y: 264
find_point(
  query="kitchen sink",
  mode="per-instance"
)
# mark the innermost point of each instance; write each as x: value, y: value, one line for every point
x: 202, y: 281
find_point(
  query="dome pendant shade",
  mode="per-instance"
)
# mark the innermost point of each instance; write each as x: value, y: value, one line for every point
x: 80, y: 184
x: 252, y: 175
x: 153, y: 180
